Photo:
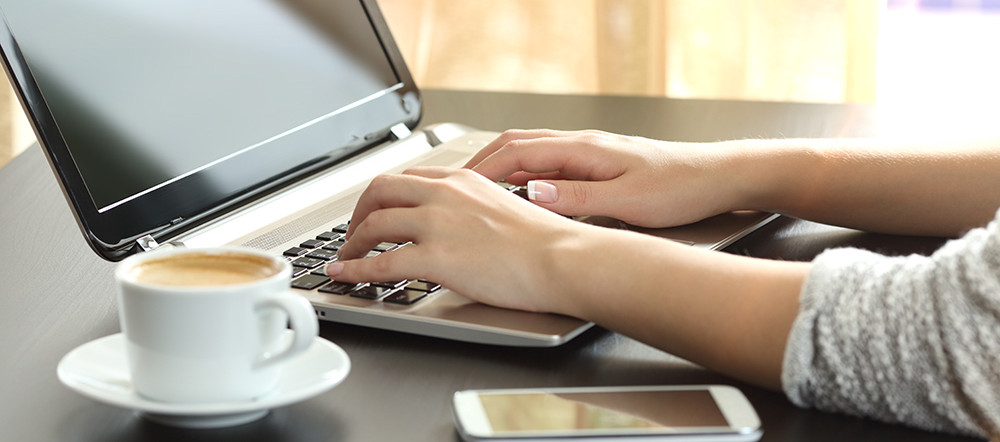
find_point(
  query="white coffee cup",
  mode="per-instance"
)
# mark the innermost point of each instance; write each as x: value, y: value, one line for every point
x: 209, y: 325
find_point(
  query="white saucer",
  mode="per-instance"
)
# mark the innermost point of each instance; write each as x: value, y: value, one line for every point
x: 99, y: 370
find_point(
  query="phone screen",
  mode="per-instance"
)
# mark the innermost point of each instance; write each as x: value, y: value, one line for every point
x: 629, y: 412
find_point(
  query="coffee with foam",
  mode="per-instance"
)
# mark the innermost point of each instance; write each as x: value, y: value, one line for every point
x: 204, y: 270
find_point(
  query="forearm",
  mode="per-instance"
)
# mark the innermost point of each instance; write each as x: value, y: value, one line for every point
x: 903, y: 339
x: 729, y: 313
x: 939, y: 190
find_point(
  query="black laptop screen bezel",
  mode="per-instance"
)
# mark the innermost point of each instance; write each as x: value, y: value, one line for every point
x: 113, y: 233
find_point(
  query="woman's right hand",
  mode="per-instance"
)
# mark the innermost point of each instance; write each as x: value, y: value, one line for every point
x: 640, y: 181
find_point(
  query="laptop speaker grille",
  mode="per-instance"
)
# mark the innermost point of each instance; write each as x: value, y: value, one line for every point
x: 309, y: 222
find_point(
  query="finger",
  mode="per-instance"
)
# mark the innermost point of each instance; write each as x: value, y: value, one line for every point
x: 439, y: 178
x: 511, y: 135
x: 575, y: 198
x: 403, y: 263
x: 387, y: 191
x: 573, y: 157
x: 433, y: 172
x: 522, y: 178
x: 397, y: 225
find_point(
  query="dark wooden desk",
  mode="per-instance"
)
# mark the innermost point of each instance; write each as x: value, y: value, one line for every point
x: 55, y: 294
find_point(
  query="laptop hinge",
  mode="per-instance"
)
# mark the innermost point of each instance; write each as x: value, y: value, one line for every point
x: 400, y: 131
x: 147, y: 243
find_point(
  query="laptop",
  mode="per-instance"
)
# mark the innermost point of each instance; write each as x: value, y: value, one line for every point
x: 254, y: 123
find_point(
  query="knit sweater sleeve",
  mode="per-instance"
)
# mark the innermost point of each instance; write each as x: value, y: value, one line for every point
x: 912, y: 340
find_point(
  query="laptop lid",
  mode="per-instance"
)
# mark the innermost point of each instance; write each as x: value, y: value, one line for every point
x: 160, y: 116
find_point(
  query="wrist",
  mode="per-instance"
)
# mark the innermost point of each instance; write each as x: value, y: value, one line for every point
x: 594, y: 270
x: 575, y: 268
x: 768, y: 175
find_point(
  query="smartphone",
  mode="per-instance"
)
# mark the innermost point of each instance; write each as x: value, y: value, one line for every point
x: 696, y: 413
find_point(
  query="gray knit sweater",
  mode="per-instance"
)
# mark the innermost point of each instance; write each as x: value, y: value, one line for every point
x: 913, y: 340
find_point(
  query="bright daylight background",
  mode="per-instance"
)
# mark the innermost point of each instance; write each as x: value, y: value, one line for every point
x: 907, y: 55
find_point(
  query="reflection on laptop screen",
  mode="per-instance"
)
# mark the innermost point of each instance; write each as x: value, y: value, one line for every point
x: 148, y: 93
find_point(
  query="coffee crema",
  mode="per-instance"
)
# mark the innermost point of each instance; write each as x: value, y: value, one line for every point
x: 204, y: 270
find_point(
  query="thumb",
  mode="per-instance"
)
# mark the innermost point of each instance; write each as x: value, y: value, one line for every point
x: 567, y: 197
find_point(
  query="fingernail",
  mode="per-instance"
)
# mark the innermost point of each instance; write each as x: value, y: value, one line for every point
x: 335, y: 269
x: 542, y: 192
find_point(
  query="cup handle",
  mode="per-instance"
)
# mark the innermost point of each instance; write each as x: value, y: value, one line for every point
x: 302, y: 320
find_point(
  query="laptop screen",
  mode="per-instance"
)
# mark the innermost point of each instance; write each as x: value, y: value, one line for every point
x: 167, y: 110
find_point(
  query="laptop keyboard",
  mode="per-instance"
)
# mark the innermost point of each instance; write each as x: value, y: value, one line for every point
x: 310, y: 258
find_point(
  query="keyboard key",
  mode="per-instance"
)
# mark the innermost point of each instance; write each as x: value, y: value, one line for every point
x: 326, y: 255
x: 295, y: 251
x: 390, y: 284
x: 340, y: 229
x: 308, y: 263
x: 370, y: 292
x: 405, y: 297
x: 298, y: 271
x: 311, y: 243
x: 521, y: 192
x: 385, y: 246
x: 328, y: 236
x: 339, y: 288
x: 333, y: 245
x: 321, y: 271
x: 309, y: 282
x: 424, y: 286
